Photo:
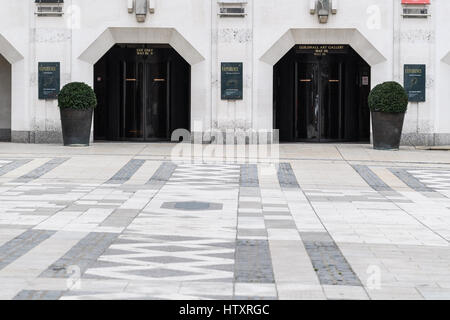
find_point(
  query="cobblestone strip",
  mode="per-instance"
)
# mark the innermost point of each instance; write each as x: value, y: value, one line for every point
x: 253, y: 263
x: 20, y: 245
x: 162, y: 175
x: 12, y: 166
x: 371, y: 178
x: 38, y: 295
x: 249, y: 175
x: 286, y: 176
x: 330, y: 264
x: 410, y: 180
x: 126, y: 172
x: 45, y: 168
x: 82, y: 255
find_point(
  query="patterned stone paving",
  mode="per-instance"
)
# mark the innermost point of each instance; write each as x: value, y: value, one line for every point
x: 10, y: 165
x: 161, y: 230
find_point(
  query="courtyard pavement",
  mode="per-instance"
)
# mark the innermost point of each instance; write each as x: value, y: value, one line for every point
x: 130, y: 221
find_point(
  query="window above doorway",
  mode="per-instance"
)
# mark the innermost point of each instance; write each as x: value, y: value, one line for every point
x: 416, y: 8
x: 49, y: 8
x: 232, y: 8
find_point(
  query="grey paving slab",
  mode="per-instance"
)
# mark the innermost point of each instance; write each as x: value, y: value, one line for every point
x: 343, y: 198
x: 253, y: 262
x: 127, y: 171
x: 249, y: 214
x: 162, y: 174
x: 20, y: 245
x: 286, y: 177
x: 249, y: 175
x: 14, y: 164
x: 120, y: 218
x: 276, y: 213
x: 45, y: 168
x: 82, y: 255
x: 371, y: 178
x: 38, y: 295
x: 328, y: 261
x: 410, y: 180
x: 192, y: 206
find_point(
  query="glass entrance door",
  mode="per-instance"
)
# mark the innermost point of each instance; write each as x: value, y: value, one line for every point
x: 319, y: 95
x: 308, y: 102
x: 331, y: 94
x: 157, y: 112
x: 144, y: 110
x: 132, y: 111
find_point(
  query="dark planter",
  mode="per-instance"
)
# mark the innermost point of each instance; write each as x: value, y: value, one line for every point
x: 76, y: 126
x: 387, y: 130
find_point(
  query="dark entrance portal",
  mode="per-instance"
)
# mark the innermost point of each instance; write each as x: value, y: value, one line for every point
x: 143, y: 93
x: 320, y: 95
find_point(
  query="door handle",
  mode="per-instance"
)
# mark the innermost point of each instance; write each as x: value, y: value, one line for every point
x: 159, y: 80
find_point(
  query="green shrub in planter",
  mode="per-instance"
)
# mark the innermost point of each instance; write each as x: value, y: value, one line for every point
x: 388, y: 97
x: 76, y: 104
x: 77, y: 95
x: 388, y: 102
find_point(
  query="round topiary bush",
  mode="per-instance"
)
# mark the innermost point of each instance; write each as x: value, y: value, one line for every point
x: 388, y: 97
x: 77, y: 95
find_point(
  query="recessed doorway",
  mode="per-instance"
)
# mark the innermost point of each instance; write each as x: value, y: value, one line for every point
x: 5, y: 99
x: 320, y: 95
x: 143, y: 93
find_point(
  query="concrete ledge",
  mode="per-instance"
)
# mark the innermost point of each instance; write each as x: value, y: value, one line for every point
x: 22, y: 137
x: 435, y: 148
x: 48, y: 137
x: 220, y: 137
x: 36, y: 137
x: 425, y: 139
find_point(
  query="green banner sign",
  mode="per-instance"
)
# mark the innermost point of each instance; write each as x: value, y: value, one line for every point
x: 232, y: 80
x: 415, y: 82
x: 49, y: 80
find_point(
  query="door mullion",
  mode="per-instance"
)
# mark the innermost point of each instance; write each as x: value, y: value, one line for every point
x: 319, y: 102
x: 168, y: 102
x: 145, y: 93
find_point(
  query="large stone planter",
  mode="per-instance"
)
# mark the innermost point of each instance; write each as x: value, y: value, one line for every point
x: 76, y: 126
x: 387, y: 130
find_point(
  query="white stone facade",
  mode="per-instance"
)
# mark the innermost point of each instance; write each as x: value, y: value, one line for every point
x: 375, y: 29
